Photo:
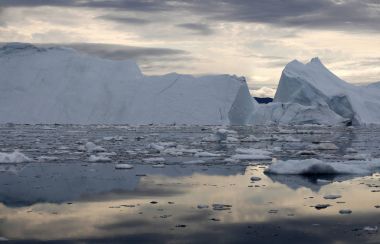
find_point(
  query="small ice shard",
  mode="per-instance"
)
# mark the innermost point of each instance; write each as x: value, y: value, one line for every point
x: 345, y: 211
x: 371, y: 229
x: 123, y: 166
x: 231, y: 139
x: 14, y: 157
x: 321, y: 206
x: 207, y: 154
x: 113, y: 138
x: 98, y: 158
x: 351, y: 150
x: 202, y: 206
x: 92, y: 147
x: 154, y: 160
x: 47, y: 158
x: 195, y: 162
x: 158, y: 166
x: 322, y: 181
x: 331, y: 197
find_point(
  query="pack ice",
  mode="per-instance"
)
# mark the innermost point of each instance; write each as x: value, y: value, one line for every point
x: 60, y: 85
x: 326, y: 98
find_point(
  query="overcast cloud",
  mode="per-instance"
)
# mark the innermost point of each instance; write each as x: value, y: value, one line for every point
x: 254, y: 38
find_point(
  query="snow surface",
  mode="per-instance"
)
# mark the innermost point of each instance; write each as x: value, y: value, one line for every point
x: 313, y: 85
x: 316, y: 166
x: 61, y: 85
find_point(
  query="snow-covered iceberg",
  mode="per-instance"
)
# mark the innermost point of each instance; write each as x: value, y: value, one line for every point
x: 60, y: 85
x: 314, y: 86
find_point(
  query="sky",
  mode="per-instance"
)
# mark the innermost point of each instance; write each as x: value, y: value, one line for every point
x: 251, y: 38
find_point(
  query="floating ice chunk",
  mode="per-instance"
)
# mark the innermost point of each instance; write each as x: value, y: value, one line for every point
x: 158, y: 166
x: 231, y: 139
x: 123, y: 166
x: 156, y: 146
x: 153, y: 160
x: 14, y: 157
x: 357, y: 156
x: 351, y: 150
x: 47, y: 158
x: 321, y: 206
x: 288, y: 139
x: 371, y: 229
x: 195, y: 162
x: 211, y: 138
x: 331, y: 197
x: 113, y: 138
x: 92, y: 147
x: 345, y: 211
x: 231, y: 160
x: 315, y: 166
x: 207, y: 154
x: 322, y: 181
x: 107, y: 154
x: 98, y: 158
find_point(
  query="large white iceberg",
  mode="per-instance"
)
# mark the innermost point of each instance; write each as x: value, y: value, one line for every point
x: 314, y: 86
x: 60, y: 85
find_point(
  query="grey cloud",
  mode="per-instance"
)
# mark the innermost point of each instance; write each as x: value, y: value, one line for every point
x: 125, y: 19
x: 197, y: 28
x: 151, y: 60
x: 349, y: 15
x: 120, y: 52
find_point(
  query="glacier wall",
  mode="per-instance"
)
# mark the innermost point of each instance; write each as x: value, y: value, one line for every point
x: 60, y: 85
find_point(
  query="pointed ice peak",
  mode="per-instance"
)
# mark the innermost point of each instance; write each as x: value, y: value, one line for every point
x: 315, y: 60
x: 294, y: 64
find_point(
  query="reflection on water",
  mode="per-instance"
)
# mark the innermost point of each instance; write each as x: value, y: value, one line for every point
x: 99, y: 203
x: 72, y: 199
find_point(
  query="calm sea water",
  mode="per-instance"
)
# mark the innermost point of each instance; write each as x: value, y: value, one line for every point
x: 67, y: 198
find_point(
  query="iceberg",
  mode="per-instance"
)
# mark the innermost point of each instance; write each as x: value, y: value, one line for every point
x: 61, y: 85
x: 314, y: 86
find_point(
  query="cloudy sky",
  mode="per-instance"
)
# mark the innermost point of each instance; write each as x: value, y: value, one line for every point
x: 252, y: 38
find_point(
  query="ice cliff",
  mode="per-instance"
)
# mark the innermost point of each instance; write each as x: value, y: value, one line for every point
x: 60, y: 85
